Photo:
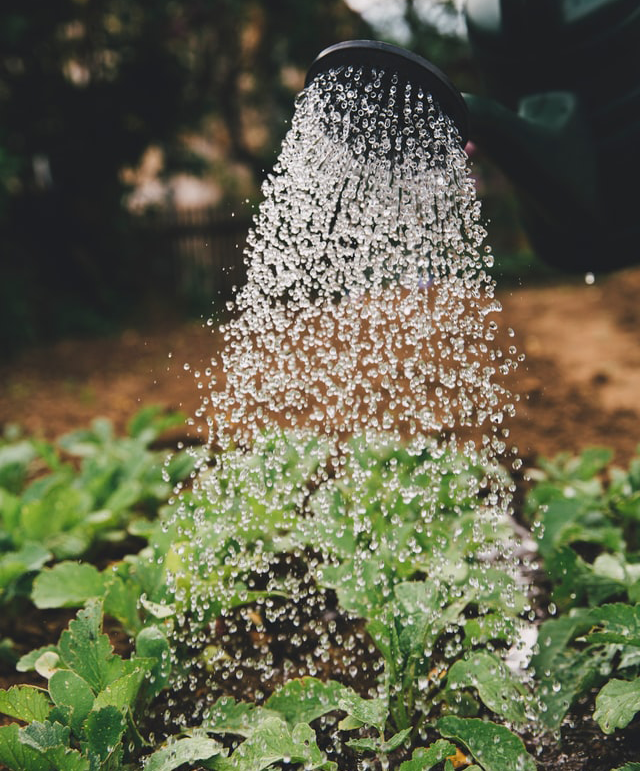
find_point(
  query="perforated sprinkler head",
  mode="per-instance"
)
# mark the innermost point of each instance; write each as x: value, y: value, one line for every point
x: 409, y: 67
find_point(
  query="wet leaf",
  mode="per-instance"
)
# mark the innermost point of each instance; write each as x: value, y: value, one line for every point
x: 494, y: 682
x: 425, y: 758
x: 122, y: 692
x: 564, y: 672
x: 87, y: 651
x: 274, y: 742
x: 13, y: 564
x: 196, y: 749
x: 25, y: 702
x: 615, y: 623
x: 151, y: 643
x: 24, y: 750
x: 374, y: 744
x: 68, y: 689
x: 121, y: 601
x: 43, y: 735
x: 228, y: 716
x: 17, y: 756
x: 305, y: 699
x: 372, y: 712
x: 617, y: 704
x: 493, y: 746
x: 104, y: 729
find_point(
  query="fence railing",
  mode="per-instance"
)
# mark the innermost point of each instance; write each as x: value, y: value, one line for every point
x: 195, y: 254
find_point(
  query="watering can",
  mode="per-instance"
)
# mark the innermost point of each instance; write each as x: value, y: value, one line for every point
x: 562, y: 119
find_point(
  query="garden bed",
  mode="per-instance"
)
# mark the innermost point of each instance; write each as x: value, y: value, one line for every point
x: 578, y: 385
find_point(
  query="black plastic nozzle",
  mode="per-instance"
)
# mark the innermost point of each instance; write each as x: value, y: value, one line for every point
x: 410, y: 67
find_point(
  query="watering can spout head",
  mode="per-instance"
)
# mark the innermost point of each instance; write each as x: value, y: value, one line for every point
x: 389, y: 60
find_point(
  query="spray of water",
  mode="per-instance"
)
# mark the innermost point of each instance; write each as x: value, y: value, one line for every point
x: 367, y: 325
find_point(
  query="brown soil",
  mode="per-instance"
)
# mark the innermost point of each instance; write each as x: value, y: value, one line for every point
x: 579, y: 383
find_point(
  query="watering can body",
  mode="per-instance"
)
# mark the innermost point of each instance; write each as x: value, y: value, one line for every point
x: 563, y: 121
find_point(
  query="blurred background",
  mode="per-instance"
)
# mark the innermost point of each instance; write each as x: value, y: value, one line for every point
x: 134, y: 135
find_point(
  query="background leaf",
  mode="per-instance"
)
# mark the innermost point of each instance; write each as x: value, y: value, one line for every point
x: 67, y: 585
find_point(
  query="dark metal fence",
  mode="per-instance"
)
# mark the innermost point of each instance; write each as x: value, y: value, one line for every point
x: 196, y: 255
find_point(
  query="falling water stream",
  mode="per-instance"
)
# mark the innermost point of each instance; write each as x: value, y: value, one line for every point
x: 368, y: 321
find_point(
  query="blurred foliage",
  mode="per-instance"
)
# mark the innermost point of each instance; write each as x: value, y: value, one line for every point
x: 85, y: 88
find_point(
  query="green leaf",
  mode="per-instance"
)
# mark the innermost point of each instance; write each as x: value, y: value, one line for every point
x: 618, y: 622
x: 69, y: 690
x: 17, y: 756
x: 13, y: 564
x: 384, y: 633
x: 53, y: 518
x: 149, y: 422
x: 39, y: 747
x: 304, y: 700
x: 151, y: 643
x: 124, y: 496
x: 25, y: 702
x: 228, y: 716
x: 493, y: 746
x: 43, y: 735
x: 121, y: 600
x: 575, y: 673
x: 14, y: 460
x: 374, y: 744
x: 425, y: 758
x: 359, y: 584
x: 67, y: 585
x: 372, y: 712
x: 492, y: 626
x: 27, y: 663
x: 617, y: 704
x: 87, y: 651
x: 564, y: 672
x: 190, y: 750
x: 629, y: 767
x: 122, y: 692
x: 553, y: 638
x: 494, y: 682
x: 274, y: 742
x: 8, y: 655
x: 103, y: 729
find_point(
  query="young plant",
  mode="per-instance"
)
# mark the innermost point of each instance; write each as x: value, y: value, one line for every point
x: 94, y: 486
x: 86, y: 718
x: 588, y: 538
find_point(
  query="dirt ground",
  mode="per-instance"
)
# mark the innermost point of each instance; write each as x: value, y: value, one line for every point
x: 579, y: 384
